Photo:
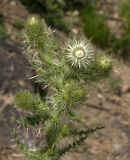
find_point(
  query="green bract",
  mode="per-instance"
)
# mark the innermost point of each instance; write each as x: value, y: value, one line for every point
x: 25, y: 100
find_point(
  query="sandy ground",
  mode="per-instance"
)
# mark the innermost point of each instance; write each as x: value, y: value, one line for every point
x: 104, y: 106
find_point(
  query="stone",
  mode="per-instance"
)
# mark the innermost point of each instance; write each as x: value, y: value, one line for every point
x: 116, y: 149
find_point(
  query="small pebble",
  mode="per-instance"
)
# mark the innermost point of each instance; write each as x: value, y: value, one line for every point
x: 13, y: 3
x: 75, y: 13
x: 116, y: 149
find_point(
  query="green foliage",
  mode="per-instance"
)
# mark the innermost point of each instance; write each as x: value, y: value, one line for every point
x: 125, y: 9
x: 52, y: 10
x: 123, y: 43
x: 76, y: 4
x: 52, y: 114
x: 95, y: 27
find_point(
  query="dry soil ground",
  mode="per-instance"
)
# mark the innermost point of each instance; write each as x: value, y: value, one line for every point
x: 103, y: 106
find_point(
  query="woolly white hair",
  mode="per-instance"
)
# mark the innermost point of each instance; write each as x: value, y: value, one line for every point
x: 79, y: 53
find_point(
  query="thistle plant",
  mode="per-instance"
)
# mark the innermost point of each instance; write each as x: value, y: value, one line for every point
x: 50, y: 123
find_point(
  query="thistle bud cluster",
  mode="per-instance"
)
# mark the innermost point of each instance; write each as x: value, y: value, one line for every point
x: 68, y: 71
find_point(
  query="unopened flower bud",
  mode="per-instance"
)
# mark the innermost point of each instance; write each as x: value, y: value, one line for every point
x: 105, y: 61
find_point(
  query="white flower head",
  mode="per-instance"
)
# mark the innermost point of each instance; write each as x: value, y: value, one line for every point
x: 79, y: 53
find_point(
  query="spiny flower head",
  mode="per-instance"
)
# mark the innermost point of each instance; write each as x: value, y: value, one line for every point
x: 32, y: 21
x: 105, y: 61
x: 79, y: 53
